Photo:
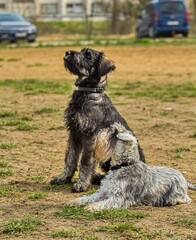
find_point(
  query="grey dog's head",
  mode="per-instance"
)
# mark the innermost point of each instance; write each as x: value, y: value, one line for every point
x: 126, y: 145
x: 89, y: 65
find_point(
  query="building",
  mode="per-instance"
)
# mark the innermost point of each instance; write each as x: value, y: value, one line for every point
x: 60, y: 9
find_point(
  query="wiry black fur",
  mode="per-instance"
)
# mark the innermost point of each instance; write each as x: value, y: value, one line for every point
x: 86, y: 114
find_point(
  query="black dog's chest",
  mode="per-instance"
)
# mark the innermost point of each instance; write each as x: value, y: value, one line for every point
x: 84, y: 115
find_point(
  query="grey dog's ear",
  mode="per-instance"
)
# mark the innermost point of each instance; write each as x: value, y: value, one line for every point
x: 105, y: 66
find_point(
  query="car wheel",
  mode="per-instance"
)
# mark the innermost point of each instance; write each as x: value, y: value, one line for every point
x: 151, y: 32
x: 31, y: 40
x: 13, y: 40
x: 185, y: 34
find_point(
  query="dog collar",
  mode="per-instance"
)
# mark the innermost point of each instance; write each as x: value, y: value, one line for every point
x: 92, y: 90
x: 118, y: 166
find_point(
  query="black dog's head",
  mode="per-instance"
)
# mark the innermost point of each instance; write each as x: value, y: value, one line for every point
x: 89, y: 65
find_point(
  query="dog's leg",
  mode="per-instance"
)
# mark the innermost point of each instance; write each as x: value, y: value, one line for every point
x: 87, y: 167
x: 84, y: 200
x: 109, y: 203
x: 71, y: 161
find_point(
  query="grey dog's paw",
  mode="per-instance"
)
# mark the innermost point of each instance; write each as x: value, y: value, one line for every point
x: 80, y: 187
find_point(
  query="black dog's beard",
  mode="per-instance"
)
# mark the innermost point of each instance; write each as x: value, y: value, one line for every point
x: 71, y: 63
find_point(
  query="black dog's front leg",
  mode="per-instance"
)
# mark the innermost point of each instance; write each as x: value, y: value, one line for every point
x: 71, y: 162
x: 87, y: 167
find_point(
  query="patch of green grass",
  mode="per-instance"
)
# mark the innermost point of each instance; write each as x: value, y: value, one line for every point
x: 121, y: 227
x: 38, y: 178
x: 13, y: 59
x: 12, y: 122
x: 36, y: 196
x: 26, y: 118
x: 81, y: 213
x: 93, y: 238
x: 7, y: 145
x: 26, y: 224
x: 56, y: 128
x: 33, y: 86
x: 166, y: 91
x: 193, y: 135
x: 62, y: 233
x: 2, y: 59
x: 36, y: 65
x: 6, y: 190
x: 4, y: 164
x: 47, y: 110
x: 181, y: 149
x: 8, y: 113
x: 5, y: 173
x: 164, y: 113
x: 23, y: 126
x: 191, y: 222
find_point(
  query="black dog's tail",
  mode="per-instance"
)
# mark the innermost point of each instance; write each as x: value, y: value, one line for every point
x: 191, y: 186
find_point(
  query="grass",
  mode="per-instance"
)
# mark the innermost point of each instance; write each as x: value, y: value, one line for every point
x: 36, y: 65
x: 166, y: 91
x: 4, y: 164
x: 23, y: 126
x: 26, y: 224
x: 62, y: 233
x: 10, y: 119
x: 5, y: 173
x: 13, y: 59
x: 36, y: 196
x: 47, y: 110
x: 193, y: 135
x: 81, y: 213
x: 181, y: 221
x: 34, y: 87
x: 181, y: 149
x: 8, y: 113
x: 121, y: 227
x: 5, y: 145
x: 158, y: 91
x: 38, y: 178
x: 5, y: 191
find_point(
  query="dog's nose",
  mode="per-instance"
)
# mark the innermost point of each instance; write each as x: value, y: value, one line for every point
x: 67, y: 53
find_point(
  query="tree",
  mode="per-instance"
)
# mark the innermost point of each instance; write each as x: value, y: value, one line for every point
x: 115, y: 16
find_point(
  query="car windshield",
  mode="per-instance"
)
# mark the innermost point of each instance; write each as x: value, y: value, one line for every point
x: 9, y: 17
x: 171, y: 7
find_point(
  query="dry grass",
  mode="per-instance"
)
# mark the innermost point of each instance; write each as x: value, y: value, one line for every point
x: 33, y: 140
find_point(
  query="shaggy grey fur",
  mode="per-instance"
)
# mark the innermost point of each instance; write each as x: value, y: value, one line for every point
x: 132, y: 182
x: 88, y: 111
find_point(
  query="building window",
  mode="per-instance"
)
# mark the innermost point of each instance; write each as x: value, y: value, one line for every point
x: 23, y: 1
x: 75, y: 8
x: 97, y: 7
x: 49, y: 9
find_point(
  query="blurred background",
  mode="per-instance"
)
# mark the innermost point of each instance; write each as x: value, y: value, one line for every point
x: 86, y: 19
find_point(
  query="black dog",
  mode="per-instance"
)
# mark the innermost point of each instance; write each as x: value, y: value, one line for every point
x: 89, y: 111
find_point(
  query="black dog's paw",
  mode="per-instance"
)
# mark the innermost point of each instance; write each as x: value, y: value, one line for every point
x: 60, y: 181
x: 96, y: 178
x: 80, y: 187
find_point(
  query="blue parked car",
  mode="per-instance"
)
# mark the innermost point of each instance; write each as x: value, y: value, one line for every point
x: 163, y: 18
x: 13, y: 27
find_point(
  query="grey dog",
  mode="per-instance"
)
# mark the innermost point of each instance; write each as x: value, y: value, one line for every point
x: 131, y: 182
x: 88, y: 111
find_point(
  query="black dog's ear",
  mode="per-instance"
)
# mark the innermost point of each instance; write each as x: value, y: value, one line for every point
x: 105, y: 66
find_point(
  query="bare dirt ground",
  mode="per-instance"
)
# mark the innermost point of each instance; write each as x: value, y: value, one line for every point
x: 33, y: 140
